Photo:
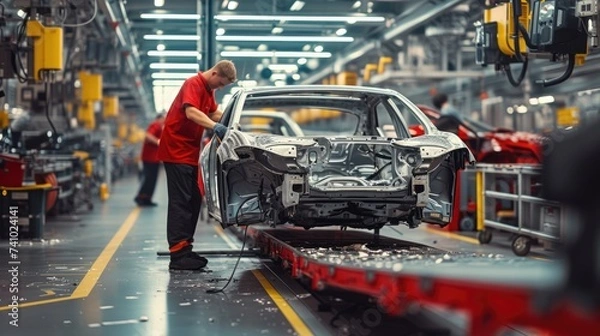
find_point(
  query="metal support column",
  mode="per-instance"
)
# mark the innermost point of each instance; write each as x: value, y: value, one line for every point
x: 444, y: 65
x: 200, y: 32
x: 209, y: 32
x: 459, y: 81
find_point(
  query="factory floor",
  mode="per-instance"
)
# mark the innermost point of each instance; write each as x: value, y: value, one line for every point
x: 98, y: 273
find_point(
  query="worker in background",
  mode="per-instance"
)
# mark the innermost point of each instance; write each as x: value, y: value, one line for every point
x: 440, y: 101
x: 193, y: 110
x: 150, y: 162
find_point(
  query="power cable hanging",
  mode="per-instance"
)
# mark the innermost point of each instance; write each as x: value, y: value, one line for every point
x: 220, y: 290
x: 90, y: 20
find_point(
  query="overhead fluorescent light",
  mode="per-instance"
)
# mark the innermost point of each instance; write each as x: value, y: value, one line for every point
x: 302, y: 61
x: 296, y: 76
x: 262, y: 47
x: 167, y: 82
x: 172, y: 37
x: 284, y: 67
x: 247, y: 83
x: 160, y: 47
x: 232, y: 5
x: 190, y: 66
x: 173, y: 75
x: 541, y: 100
x: 220, y: 31
x: 173, y: 53
x: 300, y: 18
x: 546, y: 99
x: 279, y: 76
x: 303, y: 18
x: 165, y: 16
x: 297, y: 5
x: 276, y: 30
x: 356, y: 4
x: 291, y: 54
x: 270, y: 38
x: 159, y: 3
x: 521, y: 109
x: 341, y: 32
x: 318, y: 48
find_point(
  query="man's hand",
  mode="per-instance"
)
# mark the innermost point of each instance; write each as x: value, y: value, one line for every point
x: 220, y: 130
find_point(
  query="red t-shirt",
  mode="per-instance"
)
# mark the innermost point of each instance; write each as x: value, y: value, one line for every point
x: 150, y: 149
x: 180, y: 141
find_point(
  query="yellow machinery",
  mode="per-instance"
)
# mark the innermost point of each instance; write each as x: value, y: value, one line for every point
x: 104, y: 192
x: 47, y: 48
x: 85, y: 115
x: 110, y: 106
x: 512, y: 30
x: 369, y: 68
x: 4, y: 121
x: 88, y: 163
x: 503, y: 17
x: 91, y: 86
x: 347, y: 78
x: 383, y: 62
x: 91, y: 92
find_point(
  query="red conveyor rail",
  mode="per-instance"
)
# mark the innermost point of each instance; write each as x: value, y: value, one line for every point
x: 490, y: 306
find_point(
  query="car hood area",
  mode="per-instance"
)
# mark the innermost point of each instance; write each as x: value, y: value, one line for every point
x: 430, y: 147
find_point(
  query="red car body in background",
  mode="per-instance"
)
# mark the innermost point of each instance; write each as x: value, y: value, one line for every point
x: 487, y: 143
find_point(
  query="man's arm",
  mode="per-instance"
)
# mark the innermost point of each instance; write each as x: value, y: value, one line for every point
x: 216, y: 115
x: 199, y: 117
x: 151, y: 138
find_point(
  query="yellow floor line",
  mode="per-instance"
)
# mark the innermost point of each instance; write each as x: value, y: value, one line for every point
x: 40, y: 302
x: 287, y: 311
x: 91, y: 278
x: 454, y: 236
x: 89, y: 281
x: 223, y: 236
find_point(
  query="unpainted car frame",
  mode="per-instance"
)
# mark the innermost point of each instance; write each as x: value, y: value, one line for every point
x: 364, y: 180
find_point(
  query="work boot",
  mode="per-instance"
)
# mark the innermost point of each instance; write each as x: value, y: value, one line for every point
x: 187, y: 262
x: 199, y: 257
x: 144, y: 202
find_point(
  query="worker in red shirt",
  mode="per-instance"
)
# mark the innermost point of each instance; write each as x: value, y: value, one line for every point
x: 150, y: 162
x: 193, y: 110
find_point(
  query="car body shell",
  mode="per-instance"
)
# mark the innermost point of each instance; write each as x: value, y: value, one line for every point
x: 365, y: 179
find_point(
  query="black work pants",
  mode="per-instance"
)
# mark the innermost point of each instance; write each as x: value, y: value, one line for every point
x: 184, y: 205
x: 150, y: 175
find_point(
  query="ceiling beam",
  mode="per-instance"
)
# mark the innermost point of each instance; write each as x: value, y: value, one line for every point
x: 413, y: 17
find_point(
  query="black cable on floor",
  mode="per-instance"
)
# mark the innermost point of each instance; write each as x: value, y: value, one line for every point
x: 237, y: 217
x: 220, y: 290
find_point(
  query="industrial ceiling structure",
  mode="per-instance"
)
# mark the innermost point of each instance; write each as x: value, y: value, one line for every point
x: 297, y: 41
x: 146, y: 48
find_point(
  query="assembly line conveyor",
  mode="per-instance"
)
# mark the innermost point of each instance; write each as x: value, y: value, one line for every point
x: 492, y: 290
